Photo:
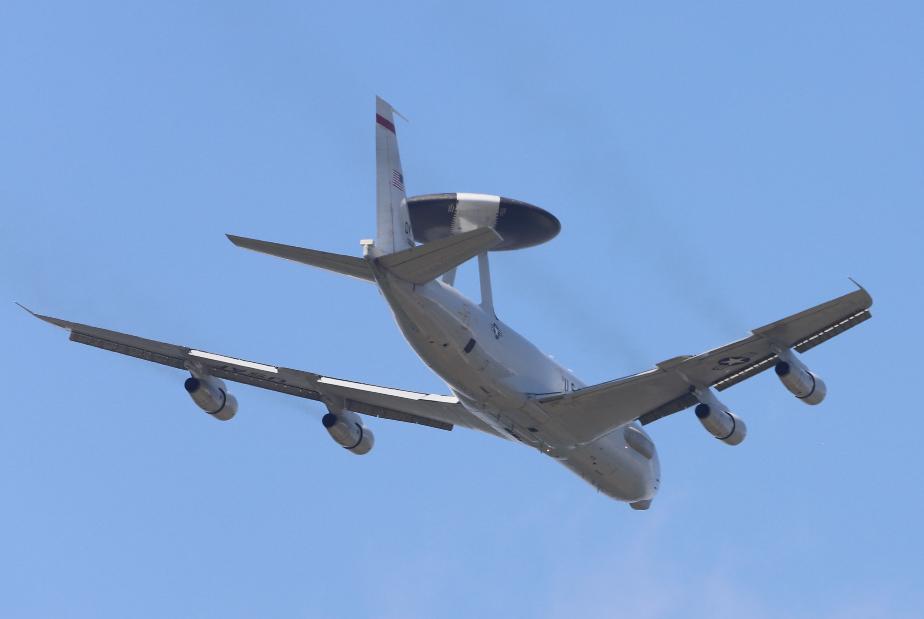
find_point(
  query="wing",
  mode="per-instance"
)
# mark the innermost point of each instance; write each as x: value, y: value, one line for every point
x: 666, y: 389
x: 436, y: 411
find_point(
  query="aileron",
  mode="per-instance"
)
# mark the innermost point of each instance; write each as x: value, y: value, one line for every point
x: 835, y: 329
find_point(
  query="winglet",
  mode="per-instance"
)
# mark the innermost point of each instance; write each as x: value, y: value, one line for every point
x: 869, y: 297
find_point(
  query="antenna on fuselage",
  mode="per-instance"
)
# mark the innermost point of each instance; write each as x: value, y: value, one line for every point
x: 484, y: 276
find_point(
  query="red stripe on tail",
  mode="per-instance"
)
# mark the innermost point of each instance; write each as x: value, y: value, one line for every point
x: 385, y: 122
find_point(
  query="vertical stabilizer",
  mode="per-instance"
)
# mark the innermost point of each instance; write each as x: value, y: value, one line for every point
x: 393, y: 226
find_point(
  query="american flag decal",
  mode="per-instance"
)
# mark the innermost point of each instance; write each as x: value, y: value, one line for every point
x: 397, y: 180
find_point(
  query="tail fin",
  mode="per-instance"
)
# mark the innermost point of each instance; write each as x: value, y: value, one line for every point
x: 393, y: 226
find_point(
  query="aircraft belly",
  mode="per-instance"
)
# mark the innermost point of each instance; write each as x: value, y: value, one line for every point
x: 441, y: 333
x: 440, y: 341
x: 613, y: 468
x: 449, y: 346
x: 475, y: 381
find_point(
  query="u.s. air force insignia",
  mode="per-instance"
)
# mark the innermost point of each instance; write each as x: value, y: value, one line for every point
x: 732, y: 361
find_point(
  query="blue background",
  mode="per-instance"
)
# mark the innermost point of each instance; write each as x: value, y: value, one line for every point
x: 715, y: 167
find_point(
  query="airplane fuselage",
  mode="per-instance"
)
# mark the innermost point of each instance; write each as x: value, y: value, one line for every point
x: 496, y: 374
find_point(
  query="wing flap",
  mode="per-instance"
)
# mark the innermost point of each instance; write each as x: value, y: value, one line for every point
x: 668, y: 408
x: 835, y: 329
x: 800, y: 327
x: 389, y: 413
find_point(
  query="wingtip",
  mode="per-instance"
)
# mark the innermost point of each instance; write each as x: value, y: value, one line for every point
x: 49, y: 319
x: 869, y: 298
x: 245, y: 242
x: 25, y: 308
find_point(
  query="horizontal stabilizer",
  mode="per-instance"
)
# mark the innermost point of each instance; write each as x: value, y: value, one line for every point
x: 339, y: 263
x: 424, y: 263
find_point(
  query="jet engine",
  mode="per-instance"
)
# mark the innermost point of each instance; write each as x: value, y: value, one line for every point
x: 801, y: 383
x: 723, y: 425
x: 346, y: 427
x: 211, y: 395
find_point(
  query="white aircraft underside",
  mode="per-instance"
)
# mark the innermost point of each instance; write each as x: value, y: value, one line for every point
x: 501, y: 383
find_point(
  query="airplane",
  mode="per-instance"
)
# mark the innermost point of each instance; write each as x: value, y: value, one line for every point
x: 500, y: 383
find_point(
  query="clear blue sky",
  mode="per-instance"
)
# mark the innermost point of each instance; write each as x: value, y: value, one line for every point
x: 715, y: 167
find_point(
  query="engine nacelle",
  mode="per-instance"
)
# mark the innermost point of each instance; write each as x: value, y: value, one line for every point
x: 211, y: 395
x: 801, y: 382
x: 723, y: 425
x: 346, y: 427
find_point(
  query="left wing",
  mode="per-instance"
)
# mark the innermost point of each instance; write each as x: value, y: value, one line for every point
x: 593, y: 411
x: 436, y: 411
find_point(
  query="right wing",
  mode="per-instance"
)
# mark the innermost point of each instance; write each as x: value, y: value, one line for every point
x: 436, y: 411
x: 593, y: 411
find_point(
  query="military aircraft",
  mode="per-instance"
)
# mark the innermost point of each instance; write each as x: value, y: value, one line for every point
x: 500, y: 383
